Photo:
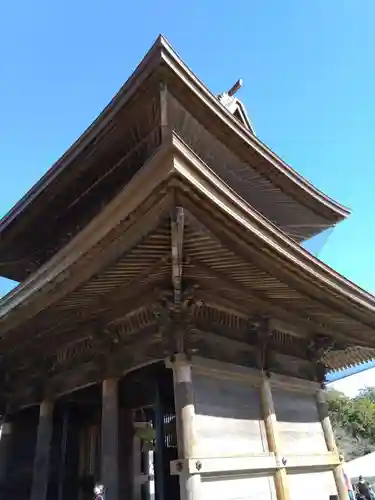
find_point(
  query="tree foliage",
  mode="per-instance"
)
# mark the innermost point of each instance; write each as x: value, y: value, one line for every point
x: 353, y: 421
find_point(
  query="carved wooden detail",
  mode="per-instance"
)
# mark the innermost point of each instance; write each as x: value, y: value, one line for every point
x: 317, y: 349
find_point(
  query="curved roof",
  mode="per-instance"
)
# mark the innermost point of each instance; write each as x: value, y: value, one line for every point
x: 60, y: 199
x: 255, y: 267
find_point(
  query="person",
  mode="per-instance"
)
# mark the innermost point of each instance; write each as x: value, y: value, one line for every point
x: 99, y: 491
x: 364, y: 490
x: 349, y: 487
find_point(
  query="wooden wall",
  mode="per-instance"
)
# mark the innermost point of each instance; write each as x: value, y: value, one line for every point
x: 238, y: 461
x: 230, y: 409
x: 241, y: 488
x: 312, y: 486
x: 299, y: 426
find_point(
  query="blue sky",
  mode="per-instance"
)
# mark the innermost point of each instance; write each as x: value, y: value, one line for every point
x: 309, y: 79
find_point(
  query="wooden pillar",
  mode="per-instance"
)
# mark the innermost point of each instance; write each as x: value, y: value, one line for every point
x: 159, y: 449
x: 329, y: 437
x: 63, y: 450
x: 270, y: 420
x: 42, y: 452
x: 184, y: 405
x: 5, y: 449
x: 109, y: 439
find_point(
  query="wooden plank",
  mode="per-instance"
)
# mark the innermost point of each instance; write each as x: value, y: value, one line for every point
x: 227, y: 465
x: 266, y: 462
x: 228, y: 420
x: 312, y: 486
x: 109, y: 439
x: 256, y: 487
x: 298, y: 422
x: 42, y: 452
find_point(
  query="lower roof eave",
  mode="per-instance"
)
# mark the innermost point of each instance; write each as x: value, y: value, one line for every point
x: 270, y: 244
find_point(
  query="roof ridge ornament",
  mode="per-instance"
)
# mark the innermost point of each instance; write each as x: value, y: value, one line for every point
x: 235, y: 106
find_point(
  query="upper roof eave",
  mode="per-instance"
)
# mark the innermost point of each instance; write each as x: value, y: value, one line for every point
x: 162, y: 53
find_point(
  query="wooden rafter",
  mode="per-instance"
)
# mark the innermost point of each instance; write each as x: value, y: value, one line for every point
x: 260, y: 303
x: 123, y: 299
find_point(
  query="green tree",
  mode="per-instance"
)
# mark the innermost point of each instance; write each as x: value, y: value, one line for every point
x: 353, y: 421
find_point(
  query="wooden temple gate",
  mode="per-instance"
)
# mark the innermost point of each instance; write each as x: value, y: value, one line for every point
x: 170, y: 335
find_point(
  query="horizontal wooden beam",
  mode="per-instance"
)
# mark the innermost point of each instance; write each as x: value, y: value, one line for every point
x: 254, y: 463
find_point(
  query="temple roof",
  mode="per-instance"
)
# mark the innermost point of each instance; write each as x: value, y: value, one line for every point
x: 178, y: 229
x: 105, y: 158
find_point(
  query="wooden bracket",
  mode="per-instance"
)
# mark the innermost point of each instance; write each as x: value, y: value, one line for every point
x: 176, y: 320
x: 317, y: 348
x: 263, y: 333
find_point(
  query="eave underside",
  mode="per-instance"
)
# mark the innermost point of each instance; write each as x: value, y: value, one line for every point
x: 126, y: 134
x: 160, y: 285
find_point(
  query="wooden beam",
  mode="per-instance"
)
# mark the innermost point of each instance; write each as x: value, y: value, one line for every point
x: 42, y: 452
x: 120, y: 362
x: 165, y: 130
x: 5, y: 451
x: 177, y: 242
x: 269, y: 415
x: 329, y: 437
x: 185, y: 413
x: 255, y: 463
x: 109, y: 439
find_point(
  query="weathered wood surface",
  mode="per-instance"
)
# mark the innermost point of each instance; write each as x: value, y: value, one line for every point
x: 42, y: 452
x: 185, y: 423
x: 273, y: 437
x: 109, y: 439
x: 240, y: 488
x: 5, y: 450
x: 298, y: 422
x: 230, y: 410
x: 126, y: 433
x: 20, y: 471
x: 312, y: 486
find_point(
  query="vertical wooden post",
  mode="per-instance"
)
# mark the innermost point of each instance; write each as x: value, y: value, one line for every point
x: 270, y: 420
x: 63, y: 448
x: 137, y: 454
x: 5, y: 449
x: 109, y: 439
x: 42, y: 452
x: 184, y: 405
x: 329, y: 437
x: 159, y: 449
